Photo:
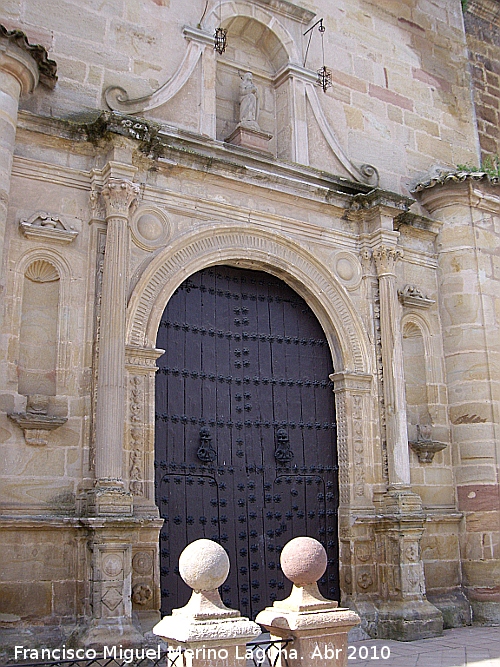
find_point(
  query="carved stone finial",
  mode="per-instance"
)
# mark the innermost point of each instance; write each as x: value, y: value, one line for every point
x: 119, y: 196
x: 385, y: 259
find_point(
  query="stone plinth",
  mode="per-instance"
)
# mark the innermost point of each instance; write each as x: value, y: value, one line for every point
x: 247, y: 137
x: 318, y: 627
x: 208, y: 632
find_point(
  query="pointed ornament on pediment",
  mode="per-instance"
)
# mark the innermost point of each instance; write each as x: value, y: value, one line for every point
x: 385, y: 258
x: 119, y: 196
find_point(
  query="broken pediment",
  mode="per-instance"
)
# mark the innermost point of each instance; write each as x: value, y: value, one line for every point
x: 47, y: 226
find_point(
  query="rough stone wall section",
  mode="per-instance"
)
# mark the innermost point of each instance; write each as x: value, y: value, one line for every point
x: 482, y: 26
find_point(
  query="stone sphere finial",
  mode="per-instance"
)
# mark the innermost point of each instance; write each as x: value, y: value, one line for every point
x: 204, y: 565
x: 303, y: 561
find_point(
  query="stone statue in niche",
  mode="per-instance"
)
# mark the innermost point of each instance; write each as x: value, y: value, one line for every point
x: 249, y: 102
x: 247, y: 133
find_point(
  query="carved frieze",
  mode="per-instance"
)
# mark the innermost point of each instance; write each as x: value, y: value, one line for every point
x: 136, y: 467
x: 357, y: 432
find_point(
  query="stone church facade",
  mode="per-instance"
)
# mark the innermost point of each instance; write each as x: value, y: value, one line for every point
x: 126, y: 167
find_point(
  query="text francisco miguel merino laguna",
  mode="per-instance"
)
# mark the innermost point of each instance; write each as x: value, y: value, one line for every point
x: 129, y: 655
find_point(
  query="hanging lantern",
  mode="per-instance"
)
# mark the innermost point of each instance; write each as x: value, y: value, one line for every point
x: 324, y: 79
x: 220, y: 40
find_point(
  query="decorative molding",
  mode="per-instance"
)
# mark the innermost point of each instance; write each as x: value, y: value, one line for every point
x: 412, y: 296
x: 136, y: 456
x: 365, y: 173
x: 150, y: 228
x: 47, y: 226
x: 348, y: 269
x: 118, y: 99
x: 35, y: 422
x: 47, y: 69
x: 358, y: 420
x: 142, y: 357
x: 342, y: 447
x: 41, y: 271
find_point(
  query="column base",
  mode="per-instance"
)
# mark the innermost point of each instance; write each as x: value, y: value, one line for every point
x: 408, y: 620
x: 109, y: 501
x: 99, y: 633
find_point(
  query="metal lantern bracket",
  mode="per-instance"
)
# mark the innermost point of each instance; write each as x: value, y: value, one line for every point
x: 324, y: 79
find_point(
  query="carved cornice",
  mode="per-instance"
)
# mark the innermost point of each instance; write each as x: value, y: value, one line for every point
x: 119, y: 196
x: 376, y: 198
x: 385, y: 258
x: 47, y: 69
x: 288, y: 9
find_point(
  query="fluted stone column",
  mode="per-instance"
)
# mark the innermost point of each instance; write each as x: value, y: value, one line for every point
x: 385, y: 257
x: 110, y: 498
x: 405, y: 612
x: 18, y: 75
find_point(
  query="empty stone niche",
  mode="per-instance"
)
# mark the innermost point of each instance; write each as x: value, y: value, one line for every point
x: 252, y: 47
x: 417, y: 406
x: 39, y: 330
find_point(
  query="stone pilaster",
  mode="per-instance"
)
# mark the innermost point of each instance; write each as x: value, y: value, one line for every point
x: 110, y: 498
x: 354, y: 424
x: 18, y: 75
x: 292, y: 103
x: 140, y: 364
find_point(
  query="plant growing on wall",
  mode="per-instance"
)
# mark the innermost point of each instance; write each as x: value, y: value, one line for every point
x: 490, y: 166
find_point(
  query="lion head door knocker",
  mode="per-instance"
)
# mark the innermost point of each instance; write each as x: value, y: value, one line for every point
x: 206, y: 453
x: 282, y: 453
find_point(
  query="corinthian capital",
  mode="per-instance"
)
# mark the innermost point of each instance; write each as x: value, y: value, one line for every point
x: 385, y: 258
x: 119, y: 195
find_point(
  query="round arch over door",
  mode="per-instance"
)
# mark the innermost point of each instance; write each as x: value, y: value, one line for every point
x: 245, y: 432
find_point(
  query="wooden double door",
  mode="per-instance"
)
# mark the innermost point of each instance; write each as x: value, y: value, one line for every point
x: 245, y: 433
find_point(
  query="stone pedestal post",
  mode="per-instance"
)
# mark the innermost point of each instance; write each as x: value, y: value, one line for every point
x: 110, y: 497
x: 18, y: 75
x: 318, y: 627
x: 208, y: 633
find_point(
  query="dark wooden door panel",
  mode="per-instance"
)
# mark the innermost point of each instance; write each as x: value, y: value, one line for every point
x: 245, y: 432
